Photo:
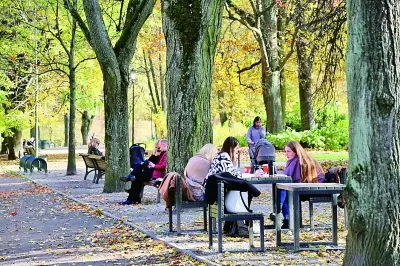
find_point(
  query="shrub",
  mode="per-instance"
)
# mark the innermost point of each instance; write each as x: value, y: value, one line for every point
x: 279, y: 140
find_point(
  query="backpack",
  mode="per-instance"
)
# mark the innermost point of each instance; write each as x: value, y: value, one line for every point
x: 337, y: 175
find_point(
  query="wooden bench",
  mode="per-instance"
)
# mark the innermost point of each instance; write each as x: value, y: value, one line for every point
x: 100, y: 165
x: 216, y: 211
x: 180, y: 205
x: 88, y: 163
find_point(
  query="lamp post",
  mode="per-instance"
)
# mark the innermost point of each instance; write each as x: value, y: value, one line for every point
x: 132, y: 79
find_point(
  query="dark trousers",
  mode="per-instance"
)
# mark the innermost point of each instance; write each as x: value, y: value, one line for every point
x: 137, y: 184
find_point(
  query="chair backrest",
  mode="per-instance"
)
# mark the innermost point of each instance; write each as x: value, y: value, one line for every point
x: 336, y: 174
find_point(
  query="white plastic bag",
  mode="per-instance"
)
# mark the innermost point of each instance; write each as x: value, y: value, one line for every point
x: 236, y: 201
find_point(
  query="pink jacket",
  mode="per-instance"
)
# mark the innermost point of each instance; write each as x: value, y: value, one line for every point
x: 159, y: 168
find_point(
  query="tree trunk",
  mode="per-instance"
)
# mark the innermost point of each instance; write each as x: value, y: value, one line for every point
x: 14, y: 144
x: 223, y: 115
x: 86, y: 125
x: 114, y: 63
x: 281, y: 26
x: 191, y: 32
x: 71, y: 166
x: 271, y: 68
x: 4, y: 148
x: 373, y: 188
x: 304, y: 71
x: 33, y: 133
x: 66, y: 130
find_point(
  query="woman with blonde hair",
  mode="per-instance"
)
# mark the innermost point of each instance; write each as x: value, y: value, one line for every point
x: 197, y: 169
x: 302, y: 168
x: 93, y: 147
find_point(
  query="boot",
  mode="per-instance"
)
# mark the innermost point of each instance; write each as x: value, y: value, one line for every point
x: 285, y: 224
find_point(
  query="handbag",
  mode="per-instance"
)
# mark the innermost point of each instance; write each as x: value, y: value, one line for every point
x: 237, y: 201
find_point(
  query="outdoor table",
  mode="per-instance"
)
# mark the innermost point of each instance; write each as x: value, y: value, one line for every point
x: 272, y: 180
x: 294, y: 191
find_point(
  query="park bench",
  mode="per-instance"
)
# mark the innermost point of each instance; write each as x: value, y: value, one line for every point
x: 216, y: 212
x: 180, y: 205
x: 88, y: 164
x: 100, y: 165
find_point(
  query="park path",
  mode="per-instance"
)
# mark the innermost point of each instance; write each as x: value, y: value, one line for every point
x: 40, y: 227
x: 150, y: 218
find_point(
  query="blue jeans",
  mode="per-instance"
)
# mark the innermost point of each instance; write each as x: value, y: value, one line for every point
x: 284, y: 204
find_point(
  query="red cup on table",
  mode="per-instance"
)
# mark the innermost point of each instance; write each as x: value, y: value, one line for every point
x: 247, y: 169
x: 266, y: 169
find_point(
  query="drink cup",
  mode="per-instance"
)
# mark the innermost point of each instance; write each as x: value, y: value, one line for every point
x: 247, y: 169
x: 266, y: 170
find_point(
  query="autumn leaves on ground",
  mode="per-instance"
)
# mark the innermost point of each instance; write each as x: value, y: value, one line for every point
x: 39, y: 227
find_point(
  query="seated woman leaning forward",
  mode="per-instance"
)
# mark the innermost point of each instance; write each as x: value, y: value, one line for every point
x: 302, y: 168
x: 152, y: 170
x: 197, y: 168
x: 93, y: 147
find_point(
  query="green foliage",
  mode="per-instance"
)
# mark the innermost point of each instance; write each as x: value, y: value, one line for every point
x: 160, y: 121
x: 237, y: 130
x: 331, y: 136
x: 293, y: 119
x: 280, y: 140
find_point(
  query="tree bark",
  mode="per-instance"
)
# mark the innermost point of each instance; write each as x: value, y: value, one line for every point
x: 191, y: 31
x: 71, y: 166
x: 114, y: 63
x: 304, y: 71
x: 271, y: 84
x: 66, y: 130
x: 373, y: 188
x: 87, y: 122
x: 4, y: 149
x: 14, y: 144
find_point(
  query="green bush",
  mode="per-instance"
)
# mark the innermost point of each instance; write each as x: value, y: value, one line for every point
x: 280, y: 140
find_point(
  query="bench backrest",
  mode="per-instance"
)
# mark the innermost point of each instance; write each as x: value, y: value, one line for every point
x: 89, y: 163
x: 99, y: 161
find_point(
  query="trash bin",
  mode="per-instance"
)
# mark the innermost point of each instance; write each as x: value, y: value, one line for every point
x: 44, y: 144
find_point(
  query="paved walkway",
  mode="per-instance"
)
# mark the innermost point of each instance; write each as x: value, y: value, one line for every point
x: 151, y: 218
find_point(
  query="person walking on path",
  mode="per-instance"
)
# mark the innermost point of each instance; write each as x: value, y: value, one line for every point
x: 254, y: 134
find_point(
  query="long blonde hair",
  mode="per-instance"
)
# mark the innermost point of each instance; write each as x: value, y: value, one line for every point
x: 209, y: 151
x: 309, y: 167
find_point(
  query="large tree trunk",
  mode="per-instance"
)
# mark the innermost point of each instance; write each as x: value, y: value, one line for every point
x: 373, y: 188
x: 4, y: 148
x: 271, y: 68
x: 191, y: 31
x: 71, y: 166
x: 87, y: 122
x: 304, y: 71
x: 114, y: 63
x: 66, y: 130
x: 14, y: 144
